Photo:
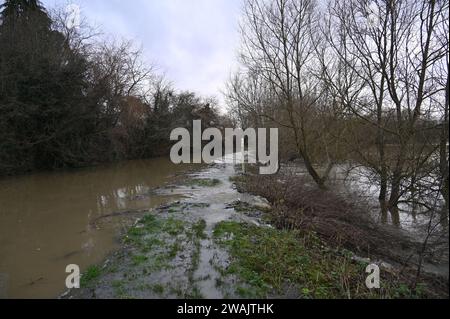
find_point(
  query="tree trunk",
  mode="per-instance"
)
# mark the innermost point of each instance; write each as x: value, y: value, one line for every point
x: 443, y: 158
x: 395, y: 189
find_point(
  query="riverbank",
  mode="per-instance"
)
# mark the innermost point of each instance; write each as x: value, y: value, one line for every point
x: 345, y: 222
x: 219, y: 242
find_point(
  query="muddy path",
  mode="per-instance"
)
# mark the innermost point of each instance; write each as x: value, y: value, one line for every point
x: 171, y: 251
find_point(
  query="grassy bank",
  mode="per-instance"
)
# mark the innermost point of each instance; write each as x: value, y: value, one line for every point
x: 161, y: 257
x: 316, y: 240
x: 287, y: 263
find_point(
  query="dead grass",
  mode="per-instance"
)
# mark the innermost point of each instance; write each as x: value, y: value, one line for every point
x: 299, y: 206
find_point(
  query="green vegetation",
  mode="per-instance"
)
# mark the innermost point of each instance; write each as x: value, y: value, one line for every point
x: 194, y: 294
x: 158, y: 289
x: 152, y: 246
x: 173, y: 226
x: 199, y: 229
x: 268, y: 261
x: 174, y: 250
x: 119, y: 289
x: 139, y: 259
x: 90, y: 276
x: 157, y: 236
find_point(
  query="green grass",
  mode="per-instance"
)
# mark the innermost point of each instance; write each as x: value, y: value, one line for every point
x: 119, y: 289
x: 158, y: 289
x: 173, y: 227
x: 90, y: 275
x: 139, y: 259
x: 194, y: 294
x: 158, y: 241
x: 199, y: 229
x: 146, y: 234
x: 174, y: 250
x: 269, y: 260
x: 155, y: 242
x: 150, y: 243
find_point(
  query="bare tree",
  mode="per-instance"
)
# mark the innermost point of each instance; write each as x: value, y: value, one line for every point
x: 444, y: 137
x: 247, y: 95
x: 398, y: 58
x: 278, y: 46
x: 78, y: 32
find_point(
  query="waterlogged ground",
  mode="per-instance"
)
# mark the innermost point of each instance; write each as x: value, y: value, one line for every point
x: 214, y: 243
x: 174, y: 251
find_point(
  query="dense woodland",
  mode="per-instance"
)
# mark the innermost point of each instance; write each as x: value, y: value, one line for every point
x: 70, y: 97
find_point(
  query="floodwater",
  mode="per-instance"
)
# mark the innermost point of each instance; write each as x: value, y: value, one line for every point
x: 51, y: 220
x: 209, y: 203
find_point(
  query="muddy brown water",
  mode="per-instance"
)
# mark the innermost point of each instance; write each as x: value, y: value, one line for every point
x: 51, y: 220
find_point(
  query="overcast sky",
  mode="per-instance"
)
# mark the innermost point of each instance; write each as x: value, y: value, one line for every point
x: 193, y: 41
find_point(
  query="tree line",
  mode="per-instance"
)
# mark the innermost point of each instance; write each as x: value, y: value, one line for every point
x: 69, y: 97
x: 359, y: 82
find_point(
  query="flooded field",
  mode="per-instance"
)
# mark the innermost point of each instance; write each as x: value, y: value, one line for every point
x: 50, y: 220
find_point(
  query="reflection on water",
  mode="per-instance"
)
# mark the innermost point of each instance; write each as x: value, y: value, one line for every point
x: 46, y: 220
x: 362, y: 183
